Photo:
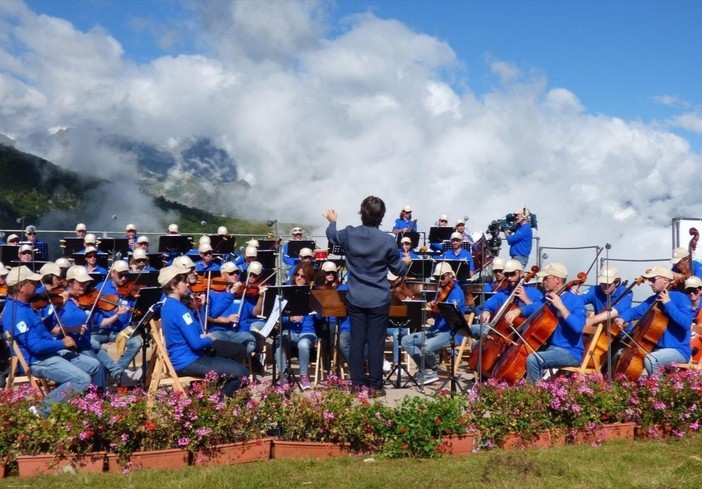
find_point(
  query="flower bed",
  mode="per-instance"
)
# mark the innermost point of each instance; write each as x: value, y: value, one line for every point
x: 495, y: 415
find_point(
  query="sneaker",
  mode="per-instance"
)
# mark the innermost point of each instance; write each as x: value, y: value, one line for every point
x: 387, y: 367
x: 429, y: 377
x: 35, y: 411
x: 305, y: 383
x: 130, y: 378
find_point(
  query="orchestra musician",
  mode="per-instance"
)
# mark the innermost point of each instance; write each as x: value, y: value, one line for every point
x: 142, y: 243
x: 80, y: 230
x: 306, y: 256
x: 328, y: 279
x: 400, y: 292
x: 49, y: 357
x: 406, y: 250
x: 369, y: 254
x: 564, y: 348
x: 91, y: 261
x: 139, y: 261
x: 426, y: 345
x: 206, y: 263
x: 498, y: 266
x: 674, y: 344
x: 404, y: 222
x: 520, y: 241
x: 681, y: 264
x: 41, y: 248
x: 250, y: 255
x: 610, y: 287
x: 188, y: 348
x: 130, y: 232
x: 441, y: 222
x: 25, y: 253
x: 291, y: 261
x: 457, y: 252
x: 460, y: 227
x: 13, y: 240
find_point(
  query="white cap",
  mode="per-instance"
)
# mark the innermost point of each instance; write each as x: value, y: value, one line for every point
x: 407, y: 208
x: 556, y: 269
x: 443, y: 217
x: 304, y: 252
x: 442, y: 268
x: 139, y: 254
x: 78, y: 273
x: 512, y: 266
x: 90, y: 238
x: 679, y: 254
x: 659, y: 271
x: 12, y: 237
x: 608, y: 275
x: 693, y: 282
x: 296, y: 230
x: 222, y: 231
x: 3, y: 271
x: 143, y: 239
x: 521, y: 210
x: 90, y: 249
x: 204, y: 239
x: 25, y: 247
x: 406, y: 239
x: 120, y: 266
x: 172, y: 228
x: 329, y: 266
x: 49, y: 268
x: 459, y: 221
x: 205, y: 248
x: 63, y: 263
x: 80, y: 227
x: 30, y: 229
x: 20, y: 274
x: 252, y: 242
x: 457, y: 236
x: 250, y: 252
x: 498, y: 263
x: 184, y: 262
x: 229, y: 267
x: 255, y: 267
x: 130, y: 227
x: 166, y: 274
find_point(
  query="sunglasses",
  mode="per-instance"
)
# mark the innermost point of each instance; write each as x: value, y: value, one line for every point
x: 26, y: 253
x: 691, y: 291
x: 207, y: 253
x: 123, y: 274
x: 91, y: 255
x: 510, y: 274
x: 301, y: 275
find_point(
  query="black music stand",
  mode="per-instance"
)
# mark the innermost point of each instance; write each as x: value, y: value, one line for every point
x: 439, y: 235
x: 460, y: 268
x: 155, y: 260
x: 8, y: 254
x: 114, y: 246
x: 33, y: 265
x: 420, y: 268
x: 294, y: 247
x: 335, y: 249
x: 71, y: 245
x: 222, y: 244
x: 412, y: 235
x: 266, y: 258
x: 458, y: 324
x: 143, y: 327
x: 267, y: 244
x: 145, y: 279
x: 413, y: 322
x: 175, y: 244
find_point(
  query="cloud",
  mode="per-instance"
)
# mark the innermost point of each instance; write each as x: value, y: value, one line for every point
x: 690, y: 121
x: 317, y: 121
x: 671, y: 101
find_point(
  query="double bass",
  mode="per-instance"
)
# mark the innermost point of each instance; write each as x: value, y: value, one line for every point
x: 535, y: 332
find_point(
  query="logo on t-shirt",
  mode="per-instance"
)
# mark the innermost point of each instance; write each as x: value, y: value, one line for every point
x: 188, y: 318
x: 22, y: 327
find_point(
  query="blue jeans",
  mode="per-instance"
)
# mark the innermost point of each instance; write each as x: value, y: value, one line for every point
x: 71, y: 370
x: 304, y: 343
x: 395, y: 333
x: 433, y: 342
x: 132, y: 347
x: 521, y: 259
x: 345, y: 345
x: 551, y: 357
x: 368, y: 326
x: 659, y: 358
x: 231, y: 369
x: 245, y: 339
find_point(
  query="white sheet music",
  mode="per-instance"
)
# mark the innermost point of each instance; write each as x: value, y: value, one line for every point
x: 273, y: 318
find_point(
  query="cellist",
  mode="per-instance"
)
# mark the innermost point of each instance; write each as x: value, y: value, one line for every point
x: 609, y: 288
x: 674, y: 344
x: 564, y: 348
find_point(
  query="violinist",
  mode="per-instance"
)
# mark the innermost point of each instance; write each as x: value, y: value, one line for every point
x: 610, y: 289
x: 64, y: 265
x: 520, y: 241
x: 49, y: 357
x: 50, y: 294
x: 498, y: 267
x: 329, y: 279
x: 674, y: 344
x: 250, y: 255
x: 404, y: 222
x: 139, y: 262
x: 406, y: 250
x: 457, y: 252
x: 400, y: 292
x: 206, y: 263
x: 25, y: 253
x: 306, y: 256
x: 252, y: 300
x: 681, y: 264
x: 142, y: 243
x: 564, y: 348
x: 424, y: 346
x: 188, y: 348
x: 108, y: 324
x: 91, y: 261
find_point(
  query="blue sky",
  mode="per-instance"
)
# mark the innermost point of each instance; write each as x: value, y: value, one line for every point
x: 617, y: 56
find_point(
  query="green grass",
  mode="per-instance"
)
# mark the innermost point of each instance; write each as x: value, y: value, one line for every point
x: 669, y: 464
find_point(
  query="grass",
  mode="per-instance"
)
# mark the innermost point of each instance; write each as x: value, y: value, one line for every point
x: 651, y: 464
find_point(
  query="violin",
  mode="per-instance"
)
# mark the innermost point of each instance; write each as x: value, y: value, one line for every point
x: 3, y: 290
x: 108, y: 302
x: 442, y: 294
x: 216, y: 284
x: 53, y: 297
x: 402, y: 292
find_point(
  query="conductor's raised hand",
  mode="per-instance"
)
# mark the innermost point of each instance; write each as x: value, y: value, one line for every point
x: 330, y: 215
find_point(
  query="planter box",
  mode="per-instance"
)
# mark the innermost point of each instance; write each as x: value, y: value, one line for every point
x: 306, y: 449
x: 31, y: 465
x: 543, y: 439
x: 457, y: 444
x: 173, y: 458
x: 235, y: 453
x: 614, y: 431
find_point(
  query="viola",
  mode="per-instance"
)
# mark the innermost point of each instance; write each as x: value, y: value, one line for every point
x: 536, y: 330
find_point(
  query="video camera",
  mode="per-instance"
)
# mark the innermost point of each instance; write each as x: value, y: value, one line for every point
x: 508, y: 223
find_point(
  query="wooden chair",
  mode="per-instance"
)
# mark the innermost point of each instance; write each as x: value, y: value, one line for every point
x: 590, y: 363
x: 39, y: 383
x: 462, y: 351
x: 161, y: 371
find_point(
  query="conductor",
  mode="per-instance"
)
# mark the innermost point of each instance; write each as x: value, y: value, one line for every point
x: 369, y: 254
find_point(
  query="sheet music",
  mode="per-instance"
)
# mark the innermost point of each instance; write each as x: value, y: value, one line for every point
x: 273, y: 318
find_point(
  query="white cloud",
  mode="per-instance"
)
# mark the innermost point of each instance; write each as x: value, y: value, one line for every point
x: 690, y: 121
x: 317, y: 122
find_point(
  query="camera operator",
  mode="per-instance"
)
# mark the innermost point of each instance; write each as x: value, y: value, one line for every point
x: 520, y: 240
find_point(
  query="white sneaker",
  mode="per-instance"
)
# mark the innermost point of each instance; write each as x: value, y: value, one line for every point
x: 387, y: 367
x: 130, y: 378
x: 429, y: 377
x: 35, y: 411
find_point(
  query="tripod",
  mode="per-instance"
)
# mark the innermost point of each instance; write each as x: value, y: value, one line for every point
x: 398, y: 367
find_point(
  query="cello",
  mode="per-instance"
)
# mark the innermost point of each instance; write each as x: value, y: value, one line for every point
x: 484, y: 356
x: 535, y: 331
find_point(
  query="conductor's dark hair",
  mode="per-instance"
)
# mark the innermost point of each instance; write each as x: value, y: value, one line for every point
x: 372, y: 211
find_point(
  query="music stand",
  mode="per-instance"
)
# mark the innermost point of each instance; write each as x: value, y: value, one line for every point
x: 79, y: 259
x: 458, y: 324
x: 175, y: 244
x: 266, y: 258
x: 146, y: 279
x: 114, y: 246
x: 155, y: 260
x: 97, y: 277
x: 222, y: 244
x: 335, y: 249
x: 267, y: 244
x: 460, y: 268
x: 439, y: 235
x: 294, y: 247
x: 70, y: 246
x: 412, y: 322
x: 33, y: 265
x: 412, y: 235
x: 143, y: 327
x: 420, y: 268
x: 8, y: 254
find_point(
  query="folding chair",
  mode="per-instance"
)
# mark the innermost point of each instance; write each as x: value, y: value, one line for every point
x: 161, y: 371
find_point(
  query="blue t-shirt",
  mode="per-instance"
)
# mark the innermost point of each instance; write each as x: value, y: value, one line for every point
x: 182, y: 333
x: 34, y: 340
x: 520, y: 241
